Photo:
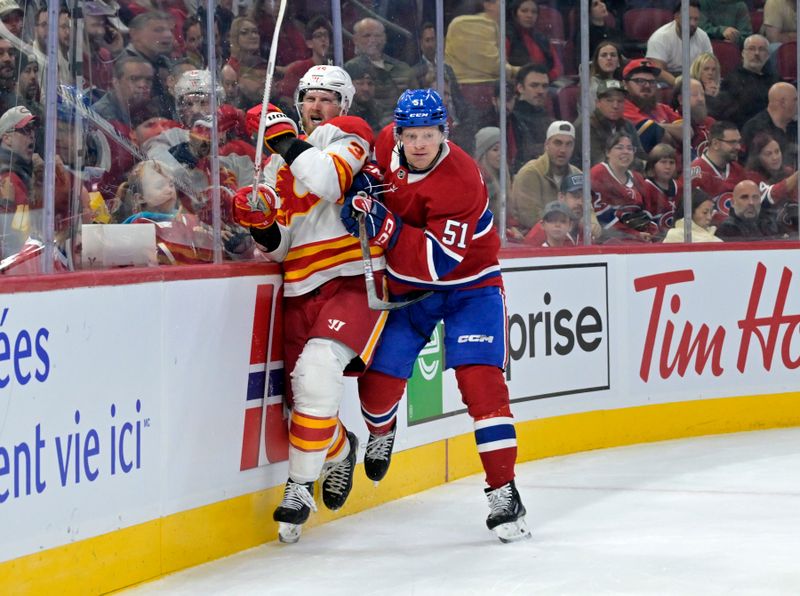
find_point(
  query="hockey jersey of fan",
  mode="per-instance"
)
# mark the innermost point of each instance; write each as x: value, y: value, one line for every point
x: 315, y: 246
x: 447, y: 239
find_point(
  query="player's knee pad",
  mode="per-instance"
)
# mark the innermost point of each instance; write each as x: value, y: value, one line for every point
x: 317, y: 382
x: 483, y: 390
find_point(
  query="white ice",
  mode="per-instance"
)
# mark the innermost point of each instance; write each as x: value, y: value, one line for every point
x: 711, y: 515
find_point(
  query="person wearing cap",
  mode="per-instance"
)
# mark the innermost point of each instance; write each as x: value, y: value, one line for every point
x: 570, y: 195
x: 104, y: 43
x: 12, y: 15
x: 655, y: 122
x: 529, y: 118
x: 606, y: 120
x: 26, y: 91
x: 556, y: 224
x: 539, y: 180
x: 665, y: 48
x: 20, y: 208
x: 617, y: 194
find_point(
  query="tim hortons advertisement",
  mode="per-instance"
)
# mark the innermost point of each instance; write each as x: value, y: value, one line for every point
x: 717, y: 324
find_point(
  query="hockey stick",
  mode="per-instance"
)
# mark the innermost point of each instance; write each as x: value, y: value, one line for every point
x: 373, y: 300
x: 262, y: 124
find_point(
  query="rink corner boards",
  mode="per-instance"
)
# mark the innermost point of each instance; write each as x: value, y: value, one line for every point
x: 141, y: 553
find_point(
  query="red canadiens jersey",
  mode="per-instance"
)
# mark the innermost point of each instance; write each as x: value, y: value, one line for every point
x: 447, y: 240
x: 615, y: 200
x: 660, y: 204
x: 718, y: 184
x: 776, y: 193
x: 315, y: 246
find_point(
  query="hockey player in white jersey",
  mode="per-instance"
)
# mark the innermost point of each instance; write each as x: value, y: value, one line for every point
x: 329, y: 329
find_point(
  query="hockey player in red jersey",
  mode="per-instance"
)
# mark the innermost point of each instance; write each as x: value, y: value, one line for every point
x: 436, y: 227
x: 328, y: 326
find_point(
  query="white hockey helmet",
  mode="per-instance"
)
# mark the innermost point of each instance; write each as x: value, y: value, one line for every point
x: 197, y: 82
x: 328, y: 78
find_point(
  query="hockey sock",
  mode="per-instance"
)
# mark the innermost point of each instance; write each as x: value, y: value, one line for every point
x: 339, y: 448
x: 380, y: 395
x: 309, y: 440
x: 485, y: 394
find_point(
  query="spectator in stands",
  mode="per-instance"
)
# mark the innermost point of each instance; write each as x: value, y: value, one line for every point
x: 655, y: 122
x: 364, y: 106
x: 427, y: 48
x: 245, y: 43
x: 599, y: 30
x: 706, y: 69
x: 701, y: 121
x: 151, y: 38
x: 472, y: 50
x: 660, y: 190
x: 12, y: 15
x: 570, y: 193
x: 744, y: 91
x: 251, y: 84
x: 104, y: 43
x: 747, y: 221
x: 701, y: 228
x: 27, y: 91
x: 128, y: 101
x: 524, y: 44
x: 665, y: 48
x: 606, y: 64
x: 556, y: 224
x: 149, y: 192
x: 229, y: 79
x: 778, y: 120
x: 318, y: 39
x: 194, y: 42
x: 765, y: 162
x: 538, y: 182
x: 20, y: 209
x: 718, y: 170
x: 606, y: 121
x: 487, y: 154
x: 780, y: 22
x: 394, y: 76
x: 617, y: 192
x: 728, y: 20
x: 292, y: 46
x: 530, y: 116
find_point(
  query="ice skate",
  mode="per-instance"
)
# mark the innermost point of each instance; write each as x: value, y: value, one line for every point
x: 337, y: 478
x: 507, y: 515
x: 292, y: 513
x: 379, y: 455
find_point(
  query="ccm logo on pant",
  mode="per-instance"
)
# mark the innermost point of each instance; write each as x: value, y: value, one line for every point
x: 464, y: 339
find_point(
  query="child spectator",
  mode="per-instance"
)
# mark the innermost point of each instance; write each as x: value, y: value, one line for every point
x: 660, y: 188
x: 556, y: 224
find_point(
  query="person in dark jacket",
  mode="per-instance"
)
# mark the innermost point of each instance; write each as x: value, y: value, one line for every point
x: 530, y: 117
x: 747, y: 221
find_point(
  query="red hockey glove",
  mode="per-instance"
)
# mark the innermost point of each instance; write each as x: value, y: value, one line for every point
x: 278, y: 125
x: 383, y: 228
x: 260, y: 216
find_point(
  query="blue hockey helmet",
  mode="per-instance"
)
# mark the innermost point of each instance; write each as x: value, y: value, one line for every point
x: 420, y: 107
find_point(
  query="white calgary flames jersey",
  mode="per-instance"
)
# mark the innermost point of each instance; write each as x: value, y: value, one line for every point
x: 315, y: 246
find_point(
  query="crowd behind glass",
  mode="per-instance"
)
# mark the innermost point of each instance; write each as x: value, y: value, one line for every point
x: 133, y: 140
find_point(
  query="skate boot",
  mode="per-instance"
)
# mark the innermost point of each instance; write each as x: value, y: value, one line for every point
x: 507, y: 515
x: 292, y: 513
x: 337, y: 478
x: 379, y: 454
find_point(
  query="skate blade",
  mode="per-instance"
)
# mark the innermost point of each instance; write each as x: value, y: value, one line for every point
x: 289, y: 533
x: 512, y: 531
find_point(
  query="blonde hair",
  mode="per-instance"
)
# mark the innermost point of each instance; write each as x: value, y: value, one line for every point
x: 233, y: 34
x: 129, y: 194
x: 700, y: 62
